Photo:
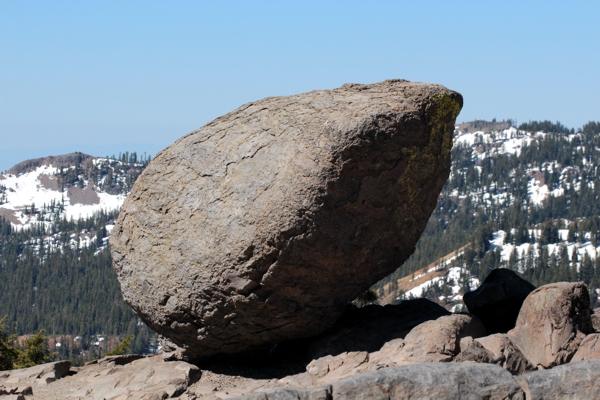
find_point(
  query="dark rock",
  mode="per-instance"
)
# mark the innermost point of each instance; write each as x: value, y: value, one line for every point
x: 553, y: 321
x: 41, y: 374
x: 498, y: 300
x: 117, y: 360
x: 580, y: 380
x: 262, y: 225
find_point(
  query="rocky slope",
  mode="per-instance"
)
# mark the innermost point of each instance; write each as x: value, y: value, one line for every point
x: 413, y: 349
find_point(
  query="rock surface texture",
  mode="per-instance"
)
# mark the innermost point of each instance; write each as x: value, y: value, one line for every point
x: 262, y: 225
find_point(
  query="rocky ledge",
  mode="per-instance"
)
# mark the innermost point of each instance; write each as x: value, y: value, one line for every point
x: 414, y: 349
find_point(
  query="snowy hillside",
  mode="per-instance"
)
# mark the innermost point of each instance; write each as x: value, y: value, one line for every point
x: 30, y: 197
x: 56, y: 215
x: 74, y: 186
x: 525, y: 198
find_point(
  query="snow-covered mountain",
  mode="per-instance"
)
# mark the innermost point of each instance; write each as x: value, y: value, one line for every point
x: 72, y: 186
x: 56, y: 214
x: 525, y: 198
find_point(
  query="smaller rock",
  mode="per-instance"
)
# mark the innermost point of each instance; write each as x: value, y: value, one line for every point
x: 471, y: 350
x: 319, y: 393
x: 10, y: 390
x: 589, y: 349
x: 553, y: 321
x: 437, y: 340
x: 579, y: 380
x: 498, y: 300
x: 430, y: 381
x: 13, y: 397
x: 434, y: 381
x: 494, y: 349
x: 335, y: 368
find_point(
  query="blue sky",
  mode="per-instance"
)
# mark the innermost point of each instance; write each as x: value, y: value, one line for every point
x: 108, y: 76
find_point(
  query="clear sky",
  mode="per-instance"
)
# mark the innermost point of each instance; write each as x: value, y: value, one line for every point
x: 108, y: 76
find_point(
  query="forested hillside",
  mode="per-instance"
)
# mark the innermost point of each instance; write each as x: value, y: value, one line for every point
x: 524, y: 198
x: 55, y: 267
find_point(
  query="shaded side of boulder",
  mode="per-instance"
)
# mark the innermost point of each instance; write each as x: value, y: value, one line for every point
x: 498, y: 300
x: 553, y: 321
x: 368, y: 328
x: 264, y: 224
x: 580, y: 380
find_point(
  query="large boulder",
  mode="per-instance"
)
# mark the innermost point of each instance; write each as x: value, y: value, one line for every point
x: 498, y: 300
x: 262, y: 225
x: 552, y: 323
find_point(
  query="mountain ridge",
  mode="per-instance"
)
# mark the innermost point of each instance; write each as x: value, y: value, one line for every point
x: 520, y: 199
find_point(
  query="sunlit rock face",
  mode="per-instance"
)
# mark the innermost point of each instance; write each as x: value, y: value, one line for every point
x: 262, y: 225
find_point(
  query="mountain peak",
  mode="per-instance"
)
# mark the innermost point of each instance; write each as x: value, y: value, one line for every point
x: 65, y: 160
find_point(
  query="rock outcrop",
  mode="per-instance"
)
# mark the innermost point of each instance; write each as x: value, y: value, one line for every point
x: 262, y: 225
x: 118, y: 377
x: 435, y: 341
x: 421, y: 351
x: 498, y: 300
